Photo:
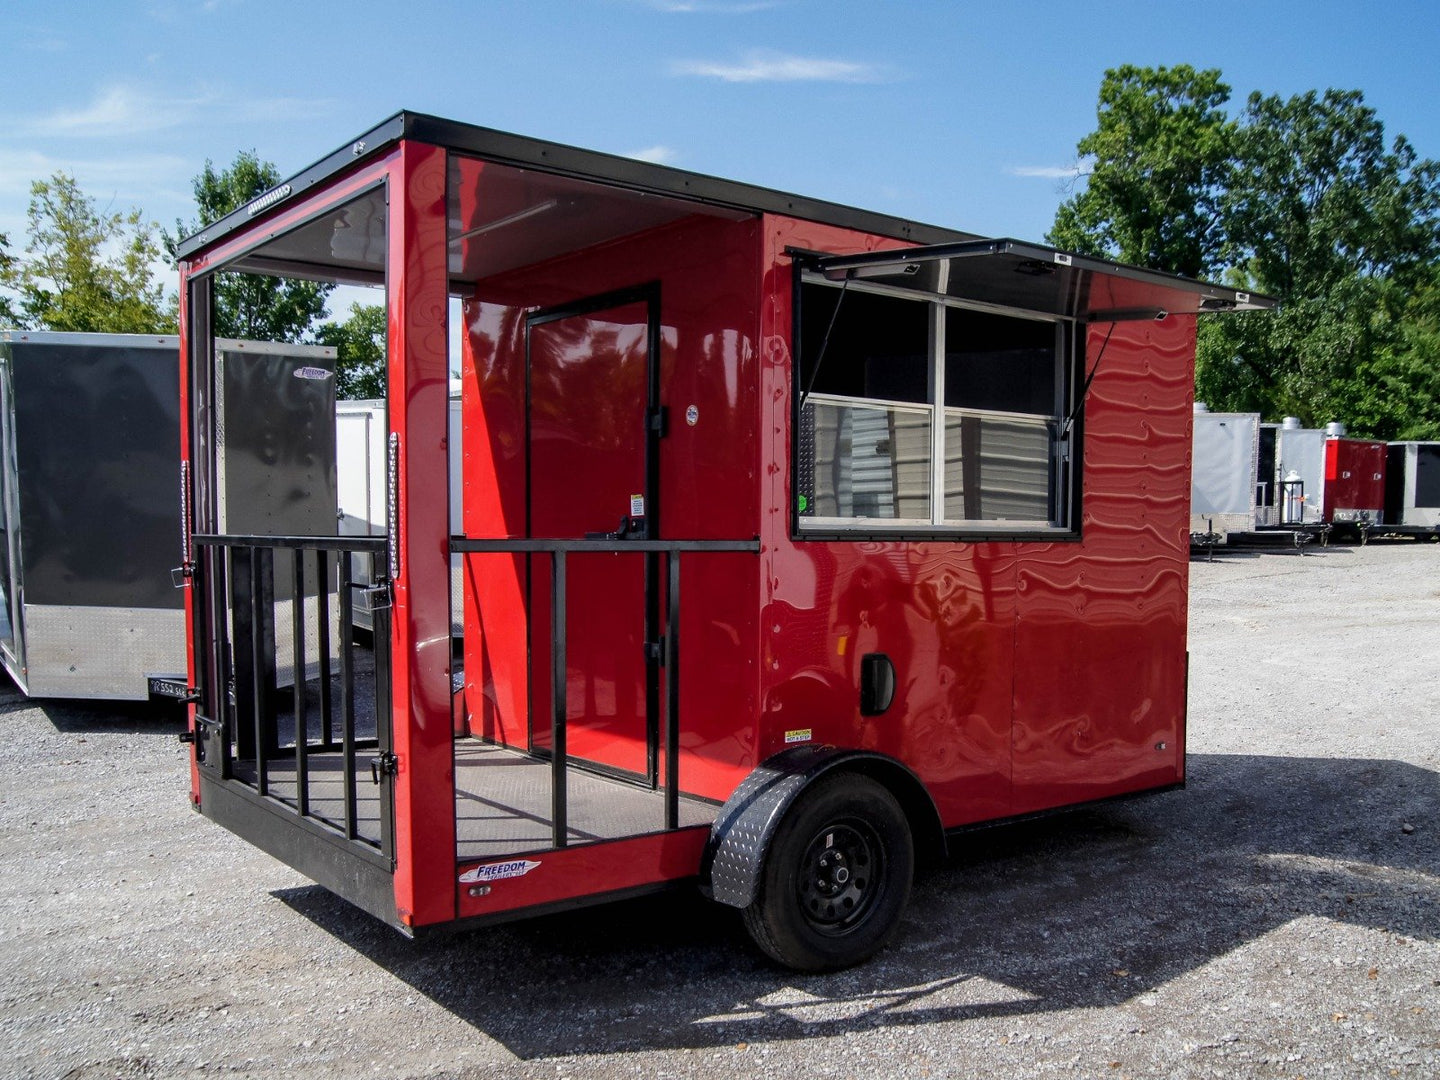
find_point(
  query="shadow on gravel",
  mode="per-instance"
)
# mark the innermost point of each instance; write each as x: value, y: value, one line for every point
x: 1084, y: 910
x: 138, y: 716
x: 79, y: 715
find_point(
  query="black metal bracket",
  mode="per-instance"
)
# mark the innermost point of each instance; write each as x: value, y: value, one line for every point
x: 655, y: 653
x: 381, y: 595
x: 383, y: 764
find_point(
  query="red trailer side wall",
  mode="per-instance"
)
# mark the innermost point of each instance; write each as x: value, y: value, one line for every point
x: 1030, y: 674
x: 707, y: 271
x: 1354, y: 479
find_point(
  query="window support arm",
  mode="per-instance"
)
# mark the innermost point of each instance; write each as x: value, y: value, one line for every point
x: 825, y: 342
x: 1069, y: 421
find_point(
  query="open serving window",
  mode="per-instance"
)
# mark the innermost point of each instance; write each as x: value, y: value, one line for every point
x: 940, y: 389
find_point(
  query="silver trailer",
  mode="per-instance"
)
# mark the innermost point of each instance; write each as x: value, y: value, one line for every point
x: 1224, y: 473
x: 90, y: 501
x: 1300, y: 473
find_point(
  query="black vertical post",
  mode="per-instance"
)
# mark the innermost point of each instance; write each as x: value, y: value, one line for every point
x: 322, y: 634
x: 297, y: 658
x: 240, y: 596
x: 261, y: 612
x: 672, y: 692
x: 558, y: 703
x: 347, y: 690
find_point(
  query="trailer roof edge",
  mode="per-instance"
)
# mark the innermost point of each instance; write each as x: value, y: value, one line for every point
x: 531, y: 153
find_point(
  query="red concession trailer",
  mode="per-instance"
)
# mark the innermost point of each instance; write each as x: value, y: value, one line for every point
x: 1354, y: 481
x: 796, y: 539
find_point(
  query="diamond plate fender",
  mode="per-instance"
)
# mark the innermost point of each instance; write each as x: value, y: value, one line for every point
x: 734, y: 856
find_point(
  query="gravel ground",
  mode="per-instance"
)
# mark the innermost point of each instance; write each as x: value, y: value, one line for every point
x: 1279, y: 918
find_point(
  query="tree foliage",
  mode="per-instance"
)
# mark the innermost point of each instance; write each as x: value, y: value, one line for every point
x: 1159, y: 156
x: 251, y: 306
x: 360, y: 351
x: 8, y: 271
x: 86, y: 269
x: 1309, y: 204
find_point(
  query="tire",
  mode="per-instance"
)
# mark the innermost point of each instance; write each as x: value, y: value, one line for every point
x: 836, y: 877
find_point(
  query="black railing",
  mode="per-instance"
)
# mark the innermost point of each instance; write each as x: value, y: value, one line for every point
x: 669, y: 653
x: 336, y: 709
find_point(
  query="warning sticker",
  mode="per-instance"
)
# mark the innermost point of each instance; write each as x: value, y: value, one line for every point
x: 797, y: 736
x: 499, y: 871
x: 637, y: 505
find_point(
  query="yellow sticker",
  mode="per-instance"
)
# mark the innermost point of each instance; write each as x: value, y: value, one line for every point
x: 797, y: 736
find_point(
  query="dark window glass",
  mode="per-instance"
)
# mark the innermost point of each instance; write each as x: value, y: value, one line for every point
x: 1000, y: 363
x: 879, y: 348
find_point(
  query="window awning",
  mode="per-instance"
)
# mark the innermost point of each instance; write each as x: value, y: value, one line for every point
x: 1026, y: 277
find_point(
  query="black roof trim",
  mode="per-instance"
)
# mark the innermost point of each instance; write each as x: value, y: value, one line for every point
x: 525, y: 152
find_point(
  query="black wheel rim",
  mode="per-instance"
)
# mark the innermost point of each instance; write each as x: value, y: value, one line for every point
x: 841, y: 875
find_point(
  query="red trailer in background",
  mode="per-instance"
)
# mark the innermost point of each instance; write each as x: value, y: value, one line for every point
x: 796, y: 539
x: 1354, y: 481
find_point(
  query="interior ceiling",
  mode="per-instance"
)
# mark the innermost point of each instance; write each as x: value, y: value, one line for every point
x: 349, y: 238
x: 502, y: 218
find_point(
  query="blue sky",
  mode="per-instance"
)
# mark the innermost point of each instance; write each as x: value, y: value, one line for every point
x: 955, y: 113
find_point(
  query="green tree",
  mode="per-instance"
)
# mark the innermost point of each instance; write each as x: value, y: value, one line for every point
x: 1159, y: 157
x: 8, y: 269
x: 251, y: 306
x: 1341, y: 228
x: 89, y: 270
x: 1300, y: 198
x: 360, y: 351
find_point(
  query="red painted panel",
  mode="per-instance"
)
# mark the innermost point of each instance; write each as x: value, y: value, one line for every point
x: 1100, y: 634
x: 550, y: 876
x: 1058, y: 666
x: 942, y: 612
x: 588, y: 379
x: 1354, y: 479
x: 420, y: 639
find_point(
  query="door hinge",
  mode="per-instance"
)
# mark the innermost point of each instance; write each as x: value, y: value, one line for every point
x: 659, y: 421
x: 383, y: 764
x: 655, y: 652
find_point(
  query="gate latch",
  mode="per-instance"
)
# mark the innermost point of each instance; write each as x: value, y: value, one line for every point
x: 379, y: 595
x: 383, y: 764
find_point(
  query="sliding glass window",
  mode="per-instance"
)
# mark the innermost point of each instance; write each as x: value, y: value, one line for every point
x: 890, y: 385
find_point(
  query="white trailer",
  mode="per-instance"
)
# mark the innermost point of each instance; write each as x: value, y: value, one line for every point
x: 1224, y: 472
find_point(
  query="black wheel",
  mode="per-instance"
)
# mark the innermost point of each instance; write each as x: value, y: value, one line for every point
x: 836, y: 877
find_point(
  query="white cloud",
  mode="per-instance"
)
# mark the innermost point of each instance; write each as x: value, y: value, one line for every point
x: 125, y: 175
x: 44, y: 41
x: 657, y: 155
x: 126, y: 110
x: 1045, y: 172
x: 116, y: 110
x: 761, y: 65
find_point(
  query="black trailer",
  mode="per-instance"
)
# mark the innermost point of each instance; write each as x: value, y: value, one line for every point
x: 90, y: 501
